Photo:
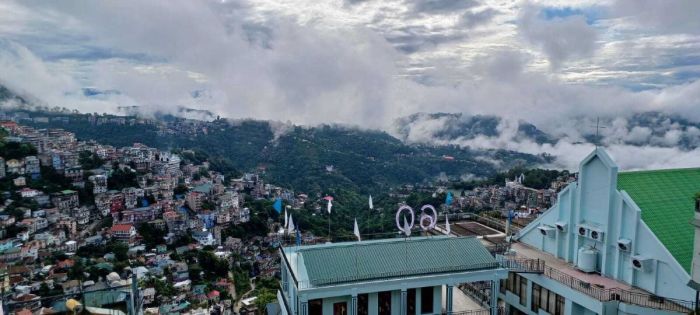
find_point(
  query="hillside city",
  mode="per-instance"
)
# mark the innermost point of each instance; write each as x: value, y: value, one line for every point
x: 80, y: 216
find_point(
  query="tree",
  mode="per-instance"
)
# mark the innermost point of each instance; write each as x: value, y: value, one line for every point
x: 152, y: 235
x: 89, y: 160
x: 265, y: 297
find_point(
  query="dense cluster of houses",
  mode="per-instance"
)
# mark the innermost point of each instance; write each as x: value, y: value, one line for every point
x: 41, y: 229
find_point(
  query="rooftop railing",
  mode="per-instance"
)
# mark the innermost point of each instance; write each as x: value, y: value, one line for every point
x: 499, y: 310
x: 617, y: 294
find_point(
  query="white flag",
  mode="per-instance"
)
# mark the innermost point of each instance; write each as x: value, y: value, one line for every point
x: 406, y: 228
x: 357, y: 231
x: 330, y: 204
x: 371, y: 206
x: 290, y: 227
x: 447, y: 225
x: 285, y: 217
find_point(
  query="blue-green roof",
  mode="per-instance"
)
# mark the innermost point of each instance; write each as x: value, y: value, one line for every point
x: 373, y: 260
x: 666, y: 198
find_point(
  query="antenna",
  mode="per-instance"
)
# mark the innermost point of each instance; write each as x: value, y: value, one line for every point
x: 597, y: 131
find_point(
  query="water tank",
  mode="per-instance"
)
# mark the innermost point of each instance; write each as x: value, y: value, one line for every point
x: 587, y: 259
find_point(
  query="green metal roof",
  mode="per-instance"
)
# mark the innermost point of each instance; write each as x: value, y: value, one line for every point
x: 666, y: 198
x: 362, y: 261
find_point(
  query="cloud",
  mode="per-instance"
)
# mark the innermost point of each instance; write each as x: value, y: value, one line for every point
x: 472, y: 19
x: 365, y: 62
x: 560, y: 38
x: 441, y: 6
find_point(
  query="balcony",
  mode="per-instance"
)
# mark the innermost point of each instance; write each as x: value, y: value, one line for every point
x: 601, y: 288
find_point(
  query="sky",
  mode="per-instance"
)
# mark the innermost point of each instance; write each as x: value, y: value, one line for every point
x: 358, y: 62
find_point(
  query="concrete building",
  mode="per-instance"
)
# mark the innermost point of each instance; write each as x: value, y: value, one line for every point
x: 384, y: 277
x: 32, y: 167
x: 2, y: 168
x: 614, y: 243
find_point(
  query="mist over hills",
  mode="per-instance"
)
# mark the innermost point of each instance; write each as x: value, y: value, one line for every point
x: 419, y: 147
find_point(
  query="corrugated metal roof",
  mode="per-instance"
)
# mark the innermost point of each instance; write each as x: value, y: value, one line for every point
x: 666, y: 198
x: 361, y: 261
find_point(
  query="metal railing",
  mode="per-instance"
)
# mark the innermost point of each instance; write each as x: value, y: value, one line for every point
x: 522, y: 265
x: 616, y: 294
x: 494, y: 223
x: 478, y: 292
x: 499, y: 310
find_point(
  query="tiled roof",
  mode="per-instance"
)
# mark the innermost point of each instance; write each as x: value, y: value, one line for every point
x: 362, y: 261
x: 666, y: 198
x: 121, y: 228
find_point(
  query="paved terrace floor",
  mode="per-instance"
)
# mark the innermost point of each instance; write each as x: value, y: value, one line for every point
x: 460, y: 301
x: 525, y: 251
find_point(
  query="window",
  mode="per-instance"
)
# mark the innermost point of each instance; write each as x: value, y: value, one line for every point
x: 560, y: 305
x: 522, y: 290
x: 546, y: 300
x: 426, y: 300
x: 340, y: 308
x: 316, y: 307
x: 535, y: 306
x: 518, y: 286
x: 384, y: 303
x: 411, y: 302
x: 362, y: 304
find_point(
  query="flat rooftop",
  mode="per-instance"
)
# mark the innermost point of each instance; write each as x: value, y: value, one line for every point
x: 347, y: 262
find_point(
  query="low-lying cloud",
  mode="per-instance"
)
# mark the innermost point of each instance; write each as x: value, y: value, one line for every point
x: 370, y: 62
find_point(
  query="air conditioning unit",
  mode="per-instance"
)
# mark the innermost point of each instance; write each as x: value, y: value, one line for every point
x: 624, y: 244
x: 561, y: 226
x: 546, y: 230
x: 582, y: 231
x: 642, y: 263
x: 597, y: 235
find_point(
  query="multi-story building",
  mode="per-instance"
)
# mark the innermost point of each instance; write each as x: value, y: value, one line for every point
x: 65, y: 200
x: 195, y: 199
x: 99, y: 184
x: 75, y: 174
x: 123, y: 232
x: 614, y: 243
x: 14, y: 166
x: 32, y: 167
x: 131, y: 195
x: 384, y: 277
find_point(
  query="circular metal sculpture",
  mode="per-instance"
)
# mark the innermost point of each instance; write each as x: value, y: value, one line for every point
x: 427, y: 222
x: 405, y: 228
x: 427, y: 219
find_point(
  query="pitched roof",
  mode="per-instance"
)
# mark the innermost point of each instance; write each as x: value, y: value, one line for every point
x: 350, y: 262
x: 666, y: 198
x: 121, y: 227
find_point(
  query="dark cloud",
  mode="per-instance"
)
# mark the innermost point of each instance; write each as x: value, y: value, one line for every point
x: 441, y: 6
x: 411, y: 39
x: 471, y: 19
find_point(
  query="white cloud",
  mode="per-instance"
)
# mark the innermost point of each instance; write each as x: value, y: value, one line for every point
x: 365, y: 62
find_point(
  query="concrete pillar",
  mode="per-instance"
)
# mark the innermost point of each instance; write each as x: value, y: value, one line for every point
x: 448, y: 299
x: 304, y: 308
x: 494, y: 296
x: 353, y: 304
x: 403, y: 308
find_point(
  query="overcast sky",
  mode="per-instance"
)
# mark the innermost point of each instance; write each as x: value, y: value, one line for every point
x: 359, y: 62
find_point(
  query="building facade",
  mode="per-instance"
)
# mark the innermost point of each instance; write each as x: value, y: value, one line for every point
x: 617, y: 243
x: 384, y: 277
